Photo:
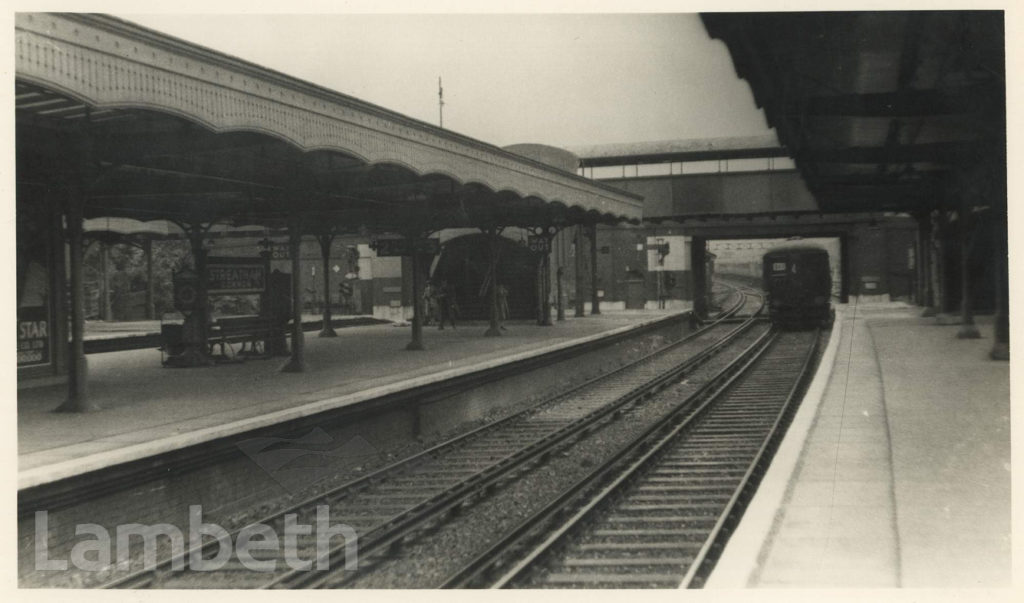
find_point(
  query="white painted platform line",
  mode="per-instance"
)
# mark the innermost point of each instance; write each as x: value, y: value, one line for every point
x: 742, y: 557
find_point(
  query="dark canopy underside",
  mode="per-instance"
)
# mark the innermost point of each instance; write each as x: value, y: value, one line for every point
x: 150, y: 165
x: 881, y: 110
x: 143, y: 125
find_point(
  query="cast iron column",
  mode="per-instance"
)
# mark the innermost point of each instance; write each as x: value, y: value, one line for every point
x: 546, y: 303
x: 1001, y: 347
x: 297, y: 363
x: 968, y: 330
x: 560, y: 302
x: 595, y: 299
x: 844, y: 268
x: 105, y: 313
x: 545, y: 278
x: 417, y: 303
x: 924, y: 262
x: 59, y: 285
x: 578, y: 256
x: 77, y: 400
x: 197, y: 341
x: 538, y: 281
x: 147, y: 248
x: 325, y: 253
x: 494, y: 328
x: 940, y: 229
x: 699, y: 275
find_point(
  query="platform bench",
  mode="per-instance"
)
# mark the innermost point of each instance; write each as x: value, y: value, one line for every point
x: 251, y: 330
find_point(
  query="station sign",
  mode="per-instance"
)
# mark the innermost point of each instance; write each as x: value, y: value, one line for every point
x: 279, y: 251
x: 33, y: 336
x: 406, y: 247
x: 236, y: 275
x: 539, y: 244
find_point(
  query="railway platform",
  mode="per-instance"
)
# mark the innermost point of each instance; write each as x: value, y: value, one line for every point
x: 896, y: 470
x: 98, y: 330
x: 148, y: 409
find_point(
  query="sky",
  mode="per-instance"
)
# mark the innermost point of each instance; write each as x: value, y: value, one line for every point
x: 557, y: 79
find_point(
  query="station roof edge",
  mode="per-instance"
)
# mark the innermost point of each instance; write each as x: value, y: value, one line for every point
x: 127, y: 28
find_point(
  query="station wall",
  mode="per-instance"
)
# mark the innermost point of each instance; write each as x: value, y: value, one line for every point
x: 883, y: 260
x: 625, y: 277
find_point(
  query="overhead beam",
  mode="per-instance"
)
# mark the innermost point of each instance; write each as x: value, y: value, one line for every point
x: 871, y: 197
x: 910, y: 103
x: 704, y: 155
x: 933, y: 152
x: 897, y: 179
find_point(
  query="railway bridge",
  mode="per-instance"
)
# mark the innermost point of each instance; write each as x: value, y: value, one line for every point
x: 748, y: 188
x: 871, y: 190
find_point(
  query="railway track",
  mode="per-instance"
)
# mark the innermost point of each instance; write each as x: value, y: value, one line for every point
x: 731, y: 294
x: 723, y: 295
x: 657, y: 513
x: 388, y: 506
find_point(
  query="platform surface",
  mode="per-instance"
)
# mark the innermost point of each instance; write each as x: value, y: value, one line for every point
x: 901, y: 475
x: 147, y: 409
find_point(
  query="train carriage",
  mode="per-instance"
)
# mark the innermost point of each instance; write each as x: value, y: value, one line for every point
x: 798, y: 283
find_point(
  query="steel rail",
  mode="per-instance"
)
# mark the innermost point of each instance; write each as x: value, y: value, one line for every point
x: 703, y: 561
x: 397, y: 529
x: 150, y: 576
x: 517, y: 536
x: 702, y: 564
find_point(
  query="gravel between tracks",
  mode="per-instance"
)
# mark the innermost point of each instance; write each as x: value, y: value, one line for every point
x: 429, y: 559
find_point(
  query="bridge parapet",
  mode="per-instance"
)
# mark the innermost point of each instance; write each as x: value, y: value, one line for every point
x: 720, y: 194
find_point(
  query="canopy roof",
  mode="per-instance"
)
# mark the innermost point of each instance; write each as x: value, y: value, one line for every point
x: 157, y: 128
x: 881, y: 110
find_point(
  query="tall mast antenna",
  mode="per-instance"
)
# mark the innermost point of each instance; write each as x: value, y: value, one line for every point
x: 440, y: 102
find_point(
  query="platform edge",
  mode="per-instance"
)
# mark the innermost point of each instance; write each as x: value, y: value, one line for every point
x: 45, y: 474
x: 744, y: 553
